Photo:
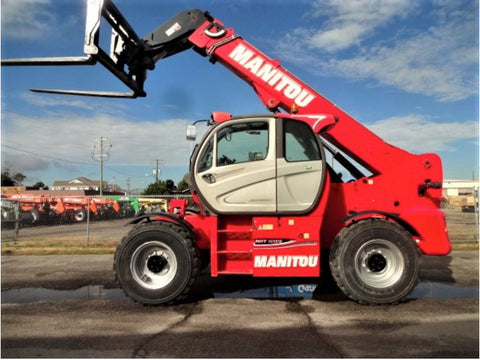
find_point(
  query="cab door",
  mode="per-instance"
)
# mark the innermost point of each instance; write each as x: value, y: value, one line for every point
x: 235, y: 170
x: 300, y: 167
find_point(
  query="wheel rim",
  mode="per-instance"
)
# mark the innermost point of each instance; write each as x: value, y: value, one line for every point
x: 79, y: 216
x: 153, y: 265
x: 379, y: 263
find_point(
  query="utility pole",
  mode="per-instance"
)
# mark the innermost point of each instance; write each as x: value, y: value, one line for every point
x: 101, y: 153
x: 156, y: 171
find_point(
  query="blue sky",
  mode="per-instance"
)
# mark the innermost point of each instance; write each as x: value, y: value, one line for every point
x: 408, y: 70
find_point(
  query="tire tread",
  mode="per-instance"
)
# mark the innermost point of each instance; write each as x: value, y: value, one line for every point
x: 185, y: 238
x: 339, y: 245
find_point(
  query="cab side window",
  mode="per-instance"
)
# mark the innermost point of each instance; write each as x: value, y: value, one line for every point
x: 242, y: 142
x: 300, y: 142
x: 205, y: 160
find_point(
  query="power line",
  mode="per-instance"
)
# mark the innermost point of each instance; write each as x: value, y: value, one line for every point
x: 74, y: 161
x: 123, y: 173
x: 47, y: 156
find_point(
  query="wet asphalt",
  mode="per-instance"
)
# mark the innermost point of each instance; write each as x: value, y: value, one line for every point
x: 69, y: 306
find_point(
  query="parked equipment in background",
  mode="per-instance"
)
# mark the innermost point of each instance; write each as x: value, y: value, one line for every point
x: 46, y: 209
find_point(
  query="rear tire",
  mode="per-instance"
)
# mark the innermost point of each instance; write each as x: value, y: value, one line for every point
x: 375, y: 262
x: 156, y: 263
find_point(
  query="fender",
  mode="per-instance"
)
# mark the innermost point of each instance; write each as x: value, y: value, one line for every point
x: 367, y: 214
x: 431, y: 240
x: 163, y: 217
x: 432, y: 229
x: 361, y: 215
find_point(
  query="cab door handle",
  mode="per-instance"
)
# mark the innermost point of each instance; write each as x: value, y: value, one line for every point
x: 209, y: 178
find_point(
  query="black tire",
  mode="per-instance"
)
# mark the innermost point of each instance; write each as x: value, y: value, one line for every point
x: 80, y: 215
x: 375, y: 262
x: 156, y: 263
x: 204, y: 256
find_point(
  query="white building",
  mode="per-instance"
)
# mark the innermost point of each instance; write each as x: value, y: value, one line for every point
x: 459, y: 187
x: 80, y: 183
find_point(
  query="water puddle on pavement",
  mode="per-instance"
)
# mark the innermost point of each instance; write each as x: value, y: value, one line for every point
x: 440, y: 290
x: 29, y: 295
x: 305, y: 291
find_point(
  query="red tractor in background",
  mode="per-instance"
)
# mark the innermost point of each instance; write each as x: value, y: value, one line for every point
x: 268, y: 203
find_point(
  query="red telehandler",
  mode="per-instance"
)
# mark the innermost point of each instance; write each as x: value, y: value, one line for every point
x: 268, y: 203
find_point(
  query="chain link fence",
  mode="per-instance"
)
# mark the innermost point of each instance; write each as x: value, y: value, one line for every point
x: 33, y: 216
x: 462, y: 226
x: 91, y: 219
x: 462, y: 215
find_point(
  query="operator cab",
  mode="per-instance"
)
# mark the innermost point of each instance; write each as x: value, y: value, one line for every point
x: 259, y: 164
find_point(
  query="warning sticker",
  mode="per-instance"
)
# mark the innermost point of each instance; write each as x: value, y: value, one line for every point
x: 172, y: 29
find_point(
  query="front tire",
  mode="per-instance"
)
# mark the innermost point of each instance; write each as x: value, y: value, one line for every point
x: 375, y: 262
x: 156, y: 263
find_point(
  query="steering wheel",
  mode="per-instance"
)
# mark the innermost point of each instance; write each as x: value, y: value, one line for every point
x: 225, y: 160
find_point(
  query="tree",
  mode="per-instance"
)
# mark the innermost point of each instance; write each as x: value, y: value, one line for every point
x: 183, y: 184
x: 166, y: 187
x: 12, y: 180
x: 40, y: 186
x: 157, y: 188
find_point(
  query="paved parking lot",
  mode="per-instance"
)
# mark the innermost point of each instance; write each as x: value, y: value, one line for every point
x: 231, y: 316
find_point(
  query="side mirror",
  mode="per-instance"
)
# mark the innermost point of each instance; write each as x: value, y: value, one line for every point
x: 191, y: 132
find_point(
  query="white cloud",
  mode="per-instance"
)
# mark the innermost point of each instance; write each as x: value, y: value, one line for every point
x: 439, y: 63
x: 349, y: 22
x: 72, y: 137
x: 417, y: 134
x: 18, y: 162
x: 436, y: 55
x: 52, y: 101
x: 337, y: 38
x: 27, y: 19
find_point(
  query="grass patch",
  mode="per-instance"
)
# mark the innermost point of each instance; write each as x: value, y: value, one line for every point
x: 465, y: 246
x: 70, y: 246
